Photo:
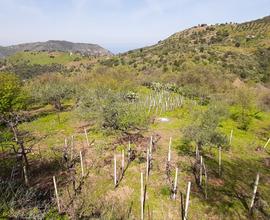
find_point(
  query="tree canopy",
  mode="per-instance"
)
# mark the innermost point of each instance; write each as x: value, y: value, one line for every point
x: 52, y: 89
x: 12, y: 96
x: 204, y: 131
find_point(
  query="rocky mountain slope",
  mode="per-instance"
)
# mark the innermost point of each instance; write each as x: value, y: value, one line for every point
x: 52, y: 45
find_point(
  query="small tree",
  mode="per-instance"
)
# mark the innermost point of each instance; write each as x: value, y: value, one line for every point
x: 244, y: 98
x: 204, y: 131
x: 52, y: 89
x: 12, y: 101
x: 111, y: 110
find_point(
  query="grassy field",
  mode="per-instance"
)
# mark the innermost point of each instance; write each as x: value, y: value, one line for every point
x: 206, y: 77
x: 43, y: 58
x: 228, y: 196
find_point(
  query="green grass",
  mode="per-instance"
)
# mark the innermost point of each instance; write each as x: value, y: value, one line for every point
x: 198, y: 63
x: 240, y: 165
x: 42, y: 58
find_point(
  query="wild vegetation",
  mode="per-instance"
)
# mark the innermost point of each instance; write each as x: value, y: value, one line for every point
x: 179, y: 130
x: 239, y: 49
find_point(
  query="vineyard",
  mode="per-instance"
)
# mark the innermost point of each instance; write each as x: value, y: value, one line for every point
x: 178, y: 130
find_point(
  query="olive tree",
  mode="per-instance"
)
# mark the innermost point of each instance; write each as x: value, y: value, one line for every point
x: 13, y: 100
x: 204, y: 131
x: 52, y: 89
x: 245, y: 100
x: 111, y: 110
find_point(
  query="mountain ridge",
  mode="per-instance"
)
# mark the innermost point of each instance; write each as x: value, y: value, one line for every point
x: 56, y: 45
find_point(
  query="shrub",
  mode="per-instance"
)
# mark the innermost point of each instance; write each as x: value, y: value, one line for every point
x: 165, y: 190
x: 204, y: 130
x: 237, y: 44
x: 265, y: 101
x: 244, y: 98
x: 12, y: 97
x: 19, y: 202
x: 112, y: 111
x: 77, y: 59
x: 27, y: 71
x: 51, y: 89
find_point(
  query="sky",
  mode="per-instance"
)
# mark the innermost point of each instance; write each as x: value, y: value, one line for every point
x: 118, y: 25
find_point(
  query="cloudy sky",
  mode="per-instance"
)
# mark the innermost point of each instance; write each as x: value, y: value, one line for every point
x: 118, y: 25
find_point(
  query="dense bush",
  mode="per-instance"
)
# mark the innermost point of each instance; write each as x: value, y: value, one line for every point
x: 19, y: 202
x: 12, y: 96
x: 112, y: 111
x: 263, y: 57
x: 204, y: 130
x: 264, y: 101
x: 245, y: 100
x: 27, y: 71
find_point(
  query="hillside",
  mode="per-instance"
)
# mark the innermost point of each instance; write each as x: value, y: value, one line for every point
x: 28, y: 64
x: 239, y: 49
x: 177, y: 130
x: 54, y: 45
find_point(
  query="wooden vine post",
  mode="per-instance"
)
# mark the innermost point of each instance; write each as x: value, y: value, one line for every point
x: 197, y: 152
x: 123, y: 162
x: 129, y: 151
x: 187, y: 201
x: 254, y: 192
x: 147, y: 163
x: 149, y: 158
x: 86, y: 136
x: 151, y: 146
x: 66, y: 144
x: 72, y: 147
x: 142, y: 197
x: 205, y: 181
x: 175, y: 184
x: 82, y: 168
x: 182, y: 206
x: 168, y: 164
x: 266, y: 143
x: 231, y: 136
x: 56, y: 194
x: 25, y: 176
x: 201, y: 171
x: 115, y: 173
x: 219, y: 161
x: 169, y: 151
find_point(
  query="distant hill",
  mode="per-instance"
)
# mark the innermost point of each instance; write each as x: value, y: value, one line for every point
x: 238, y: 50
x: 53, y: 45
x: 3, y: 51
